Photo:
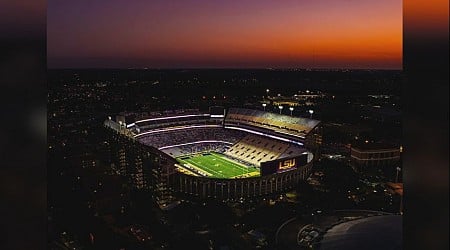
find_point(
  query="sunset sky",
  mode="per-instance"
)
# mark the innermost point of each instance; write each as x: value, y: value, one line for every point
x: 225, y: 34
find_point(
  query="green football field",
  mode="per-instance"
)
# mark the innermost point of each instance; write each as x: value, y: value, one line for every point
x: 218, y: 166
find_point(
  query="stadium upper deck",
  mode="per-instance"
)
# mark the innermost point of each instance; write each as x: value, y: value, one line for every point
x: 165, y: 113
x: 153, y: 120
x: 288, y: 125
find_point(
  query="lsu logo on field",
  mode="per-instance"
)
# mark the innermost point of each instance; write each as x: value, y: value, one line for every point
x: 282, y: 165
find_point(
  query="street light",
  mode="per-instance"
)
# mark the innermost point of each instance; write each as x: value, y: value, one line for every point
x: 291, y: 109
x: 267, y: 92
x: 281, y: 108
x: 264, y: 106
x: 311, y: 112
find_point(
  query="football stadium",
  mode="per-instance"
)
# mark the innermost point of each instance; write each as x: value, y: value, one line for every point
x: 226, y: 154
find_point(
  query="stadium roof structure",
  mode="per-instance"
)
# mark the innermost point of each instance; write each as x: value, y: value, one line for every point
x: 168, y: 113
x: 374, y: 146
x: 343, y: 229
x: 377, y: 232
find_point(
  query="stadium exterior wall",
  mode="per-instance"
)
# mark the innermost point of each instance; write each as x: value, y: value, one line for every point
x: 145, y: 167
x: 236, y: 189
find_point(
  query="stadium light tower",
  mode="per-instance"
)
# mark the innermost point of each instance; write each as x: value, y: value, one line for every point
x: 120, y: 125
x: 398, y: 170
x: 264, y: 106
x: 281, y: 108
x: 291, y: 109
x: 311, y: 112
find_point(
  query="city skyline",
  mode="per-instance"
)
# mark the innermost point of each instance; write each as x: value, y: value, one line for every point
x: 213, y: 34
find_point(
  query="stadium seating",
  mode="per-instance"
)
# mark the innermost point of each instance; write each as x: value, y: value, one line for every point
x: 255, y: 149
x: 196, y: 148
x: 248, y: 149
x: 281, y: 123
x: 167, y: 113
x: 189, y: 135
x: 153, y: 120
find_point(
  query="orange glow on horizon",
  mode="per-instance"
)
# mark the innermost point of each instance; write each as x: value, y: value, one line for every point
x: 427, y: 18
x: 299, y: 34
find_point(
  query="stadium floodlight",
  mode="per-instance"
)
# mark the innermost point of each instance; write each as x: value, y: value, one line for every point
x: 291, y: 109
x: 311, y: 112
x: 281, y: 108
x: 264, y: 106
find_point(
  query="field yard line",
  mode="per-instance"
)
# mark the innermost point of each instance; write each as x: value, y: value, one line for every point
x: 222, y: 158
x: 202, y: 167
x: 190, y: 164
x: 237, y: 167
x: 230, y: 168
x: 234, y: 164
x: 196, y: 163
x: 225, y: 166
